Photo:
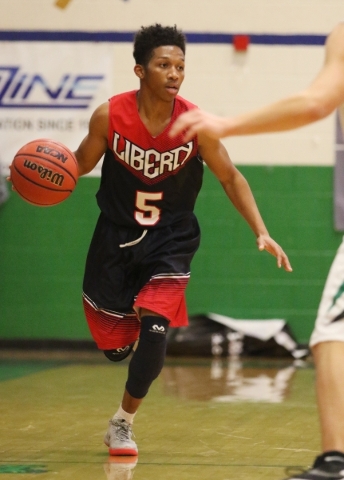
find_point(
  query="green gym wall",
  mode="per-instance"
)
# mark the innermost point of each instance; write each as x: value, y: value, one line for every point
x: 43, y: 252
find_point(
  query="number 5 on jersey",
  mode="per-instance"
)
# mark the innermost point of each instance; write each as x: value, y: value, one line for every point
x: 147, y: 214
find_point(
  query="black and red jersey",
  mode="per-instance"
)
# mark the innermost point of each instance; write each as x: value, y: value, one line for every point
x: 147, y: 181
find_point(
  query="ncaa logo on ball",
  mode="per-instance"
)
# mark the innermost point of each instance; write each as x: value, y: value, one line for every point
x: 53, y: 152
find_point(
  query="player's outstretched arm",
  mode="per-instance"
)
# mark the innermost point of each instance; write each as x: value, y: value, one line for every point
x: 239, y: 192
x: 324, y: 94
x: 94, y: 145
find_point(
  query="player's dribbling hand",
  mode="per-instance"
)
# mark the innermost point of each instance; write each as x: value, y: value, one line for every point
x: 265, y: 242
x: 197, y: 121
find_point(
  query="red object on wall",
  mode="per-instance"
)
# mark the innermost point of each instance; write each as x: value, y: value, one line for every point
x: 241, y: 42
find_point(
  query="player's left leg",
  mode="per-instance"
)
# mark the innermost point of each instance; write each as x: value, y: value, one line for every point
x: 163, y: 257
x: 144, y: 367
x: 148, y: 359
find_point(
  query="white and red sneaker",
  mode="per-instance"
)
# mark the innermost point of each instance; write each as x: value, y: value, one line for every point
x: 118, y: 438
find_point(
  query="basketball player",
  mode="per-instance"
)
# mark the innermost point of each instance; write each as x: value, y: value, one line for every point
x: 138, y: 264
x: 323, y: 95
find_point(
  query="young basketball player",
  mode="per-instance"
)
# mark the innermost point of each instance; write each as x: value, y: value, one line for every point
x: 324, y: 94
x: 138, y: 264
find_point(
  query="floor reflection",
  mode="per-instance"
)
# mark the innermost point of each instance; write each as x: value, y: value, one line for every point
x: 231, y: 379
x: 120, y: 468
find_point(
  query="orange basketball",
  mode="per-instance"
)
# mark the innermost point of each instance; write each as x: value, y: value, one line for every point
x: 44, y: 172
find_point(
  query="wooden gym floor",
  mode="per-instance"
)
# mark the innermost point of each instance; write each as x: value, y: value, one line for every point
x: 203, y: 419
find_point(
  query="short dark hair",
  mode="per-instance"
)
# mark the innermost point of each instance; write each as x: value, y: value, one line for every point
x: 149, y: 38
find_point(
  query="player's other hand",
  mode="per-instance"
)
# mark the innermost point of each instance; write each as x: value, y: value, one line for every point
x: 197, y: 121
x: 265, y: 242
x: 10, y: 180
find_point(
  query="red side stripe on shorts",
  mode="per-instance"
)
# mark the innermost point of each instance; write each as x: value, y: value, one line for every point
x: 166, y: 296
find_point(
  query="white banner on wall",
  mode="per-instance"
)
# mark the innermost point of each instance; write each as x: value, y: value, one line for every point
x: 49, y: 90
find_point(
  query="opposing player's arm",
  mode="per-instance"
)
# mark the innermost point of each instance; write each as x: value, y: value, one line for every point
x: 328, y: 87
x: 318, y: 100
x: 94, y: 145
x: 239, y: 192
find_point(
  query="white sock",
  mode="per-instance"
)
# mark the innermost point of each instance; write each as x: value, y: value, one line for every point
x: 128, y: 417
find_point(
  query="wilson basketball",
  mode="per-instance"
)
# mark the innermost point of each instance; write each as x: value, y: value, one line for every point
x: 44, y: 172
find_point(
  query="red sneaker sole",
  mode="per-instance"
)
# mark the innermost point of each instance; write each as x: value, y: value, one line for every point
x: 123, y: 452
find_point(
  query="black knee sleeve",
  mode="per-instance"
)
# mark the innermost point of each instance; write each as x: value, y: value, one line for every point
x: 148, y: 359
x: 118, y: 354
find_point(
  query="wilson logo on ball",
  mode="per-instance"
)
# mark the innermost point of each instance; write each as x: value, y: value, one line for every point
x: 49, y: 175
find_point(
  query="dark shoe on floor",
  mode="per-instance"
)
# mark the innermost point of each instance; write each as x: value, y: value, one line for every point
x: 328, y: 466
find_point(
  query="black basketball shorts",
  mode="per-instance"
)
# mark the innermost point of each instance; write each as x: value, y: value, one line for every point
x: 128, y: 268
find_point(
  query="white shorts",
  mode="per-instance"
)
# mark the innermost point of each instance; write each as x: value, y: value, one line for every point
x: 329, y: 324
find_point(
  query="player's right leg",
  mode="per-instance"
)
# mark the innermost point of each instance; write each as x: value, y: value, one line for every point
x: 115, y: 333
x: 327, y: 343
x: 120, y: 353
x: 329, y: 361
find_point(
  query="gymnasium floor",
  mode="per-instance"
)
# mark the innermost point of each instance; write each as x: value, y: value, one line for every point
x: 246, y: 419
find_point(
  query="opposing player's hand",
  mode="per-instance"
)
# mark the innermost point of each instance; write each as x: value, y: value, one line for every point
x: 197, y: 121
x: 265, y: 242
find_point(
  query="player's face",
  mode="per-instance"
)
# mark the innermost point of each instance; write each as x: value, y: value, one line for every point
x: 164, y: 73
